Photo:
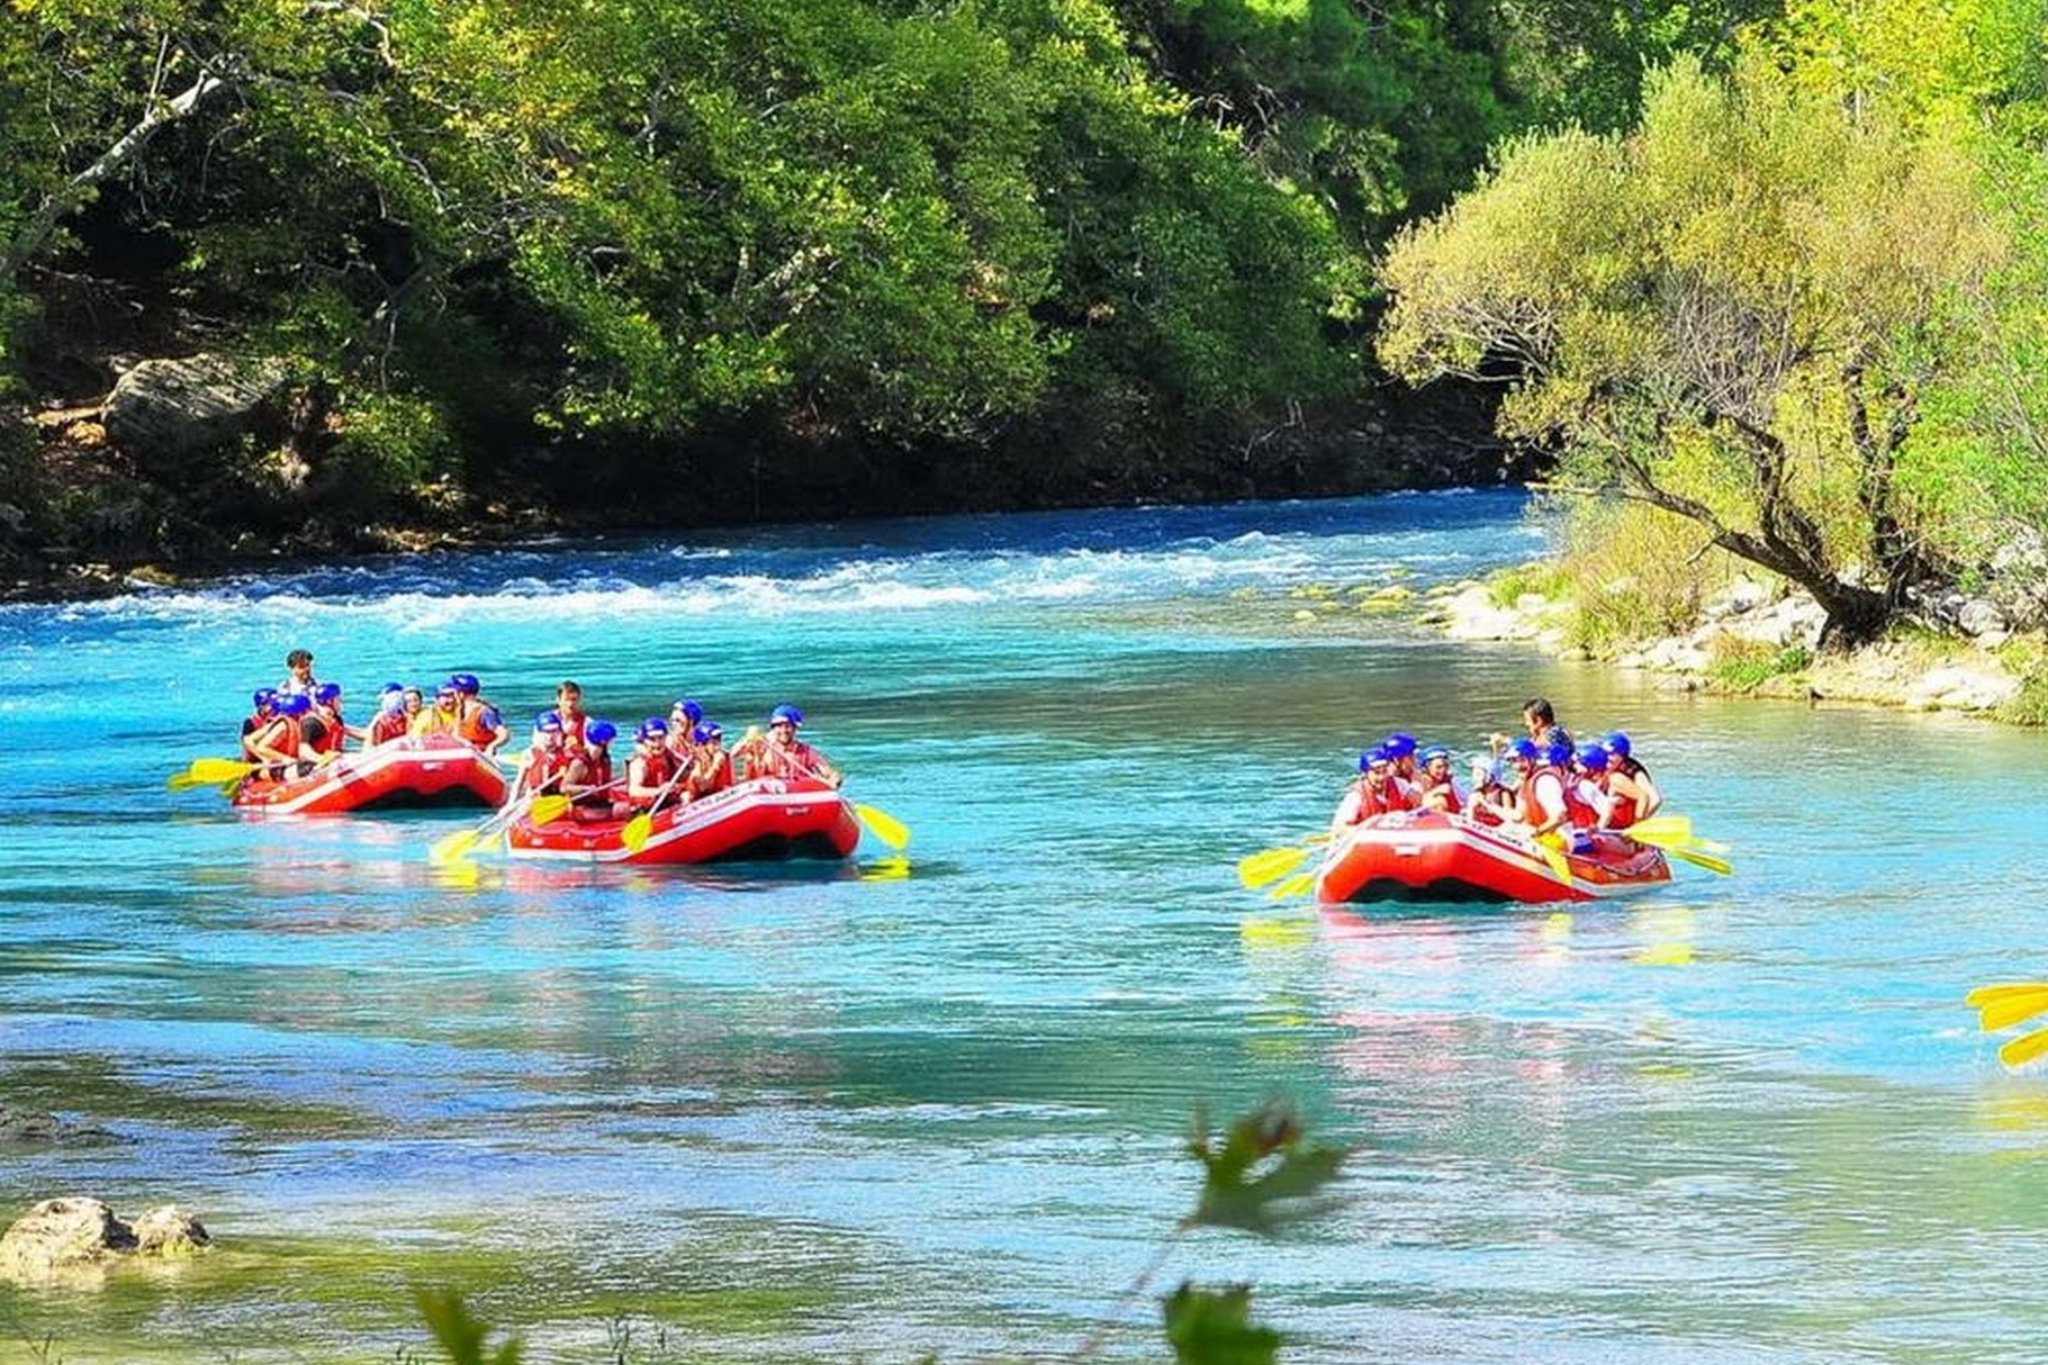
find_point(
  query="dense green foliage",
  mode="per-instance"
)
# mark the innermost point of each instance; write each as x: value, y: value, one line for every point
x: 1793, y: 286
x: 685, y: 230
x: 1796, y: 306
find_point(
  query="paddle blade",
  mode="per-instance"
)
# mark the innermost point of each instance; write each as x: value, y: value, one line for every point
x: 2024, y: 1048
x: 1984, y: 995
x: 1296, y: 885
x: 1254, y: 870
x: 207, y: 772
x: 1718, y: 866
x: 884, y: 826
x: 545, y: 810
x: 2008, y: 1010
x: 453, y: 848
x: 1551, y: 846
x: 1677, y: 827
x: 182, y: 782
x: 634, y: 835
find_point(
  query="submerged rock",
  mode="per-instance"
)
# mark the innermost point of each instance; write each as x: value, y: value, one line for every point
x: 61, y: 1236
x: 23, y: 1127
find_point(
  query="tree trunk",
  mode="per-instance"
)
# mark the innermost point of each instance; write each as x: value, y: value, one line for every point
x: 79, y: 188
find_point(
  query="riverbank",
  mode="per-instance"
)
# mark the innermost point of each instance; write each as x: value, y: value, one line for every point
x: 1758, y: 639
x: 102, y: 497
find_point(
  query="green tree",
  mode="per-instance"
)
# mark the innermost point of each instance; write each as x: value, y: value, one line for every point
x: 1735, y: 313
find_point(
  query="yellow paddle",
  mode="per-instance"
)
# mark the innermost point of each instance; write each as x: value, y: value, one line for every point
x: 2006, y: 1005
x: 1690, y: 854
x: 1551, y: 846
x: 539, y: 810
x: 211, y: 772
x: 884, y: 826
x: 1254, y: 870
x: 1293, y: 886
x: 2024, y: 1048
x: 1666, y: 830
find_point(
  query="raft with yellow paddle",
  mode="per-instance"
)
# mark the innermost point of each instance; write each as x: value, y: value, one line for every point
x: 1427, y: 856
x: 767, y: 819
x: 403, y: 774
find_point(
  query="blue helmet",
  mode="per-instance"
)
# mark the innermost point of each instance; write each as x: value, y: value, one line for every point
x: 600, y: 732
x: 390, y: 687
x: 786, y: 712
x: 1371, y: 758
x: 1593, y: 757
x: 296, y: 704
x: 705, y: 733
x: 1431, y: 753
x: 654, y: 727
x: 327, y: 693
x: 264, y: 697
x: 1617, y: 743
x: 548, y: 722
x: 466, y: 683
x: 1522, y: 748
x: 690, y: 710
x: 1398, y: 745
x: 1558, y: 753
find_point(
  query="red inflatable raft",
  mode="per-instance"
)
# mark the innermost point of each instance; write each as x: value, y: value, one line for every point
x: 431, y: 770
x: 1431, y: 857
x: 755, y: 821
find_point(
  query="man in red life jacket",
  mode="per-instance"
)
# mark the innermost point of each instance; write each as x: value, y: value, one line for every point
x: 282, y: 744
x: 652, y: 770
x: 444, y: 717
x: 781, y: 754
x: 391, y: 721
x: 1648, y: 799
x: 1438, y: 789
x: 569, y: 706
x: 547, y: 762
x: 1400, y: 751
x: 265, y: 702
x: 481, y: 726
x: 710, y: 764
x: 1375, y: 792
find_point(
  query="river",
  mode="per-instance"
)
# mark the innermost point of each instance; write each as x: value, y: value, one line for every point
x: 855, y: 1115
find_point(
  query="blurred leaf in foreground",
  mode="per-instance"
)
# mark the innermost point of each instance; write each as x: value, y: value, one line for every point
x: 461, y: 1335
x: 1264, y: 1172
x: 1213, y: 1327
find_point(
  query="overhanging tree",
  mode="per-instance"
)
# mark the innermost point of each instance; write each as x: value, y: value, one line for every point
x: 1732, y: 312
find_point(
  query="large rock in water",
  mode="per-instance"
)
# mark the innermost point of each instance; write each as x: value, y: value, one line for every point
x: 163, y: 412
x: 65, y: 1235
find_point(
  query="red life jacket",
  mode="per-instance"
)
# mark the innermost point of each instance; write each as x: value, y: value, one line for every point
x: 333, y: 733
x: 598, y: 768
x: 657, y: 769
x: 1451, y: 805
x: 572, y: 727
x: 388, y: 726
x: 545, y: 768
x: 798, y: 760
x: 1534, y: 812
x: 1393, y: 795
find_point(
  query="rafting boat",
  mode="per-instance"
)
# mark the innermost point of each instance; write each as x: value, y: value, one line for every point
x: 1432, y: 857
x: 409, y: 773
x: 763, y: 820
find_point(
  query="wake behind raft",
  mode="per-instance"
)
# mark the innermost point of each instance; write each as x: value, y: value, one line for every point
x: 1431, y: 858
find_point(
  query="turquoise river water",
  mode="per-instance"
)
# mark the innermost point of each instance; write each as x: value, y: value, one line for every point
x: 861, y: 1116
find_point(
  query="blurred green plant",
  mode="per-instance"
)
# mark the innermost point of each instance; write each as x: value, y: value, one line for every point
x: 1260, y: 1175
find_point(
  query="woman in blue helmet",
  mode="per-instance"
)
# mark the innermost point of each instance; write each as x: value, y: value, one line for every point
x: 710, y: 764
x: 282, y: 743
x: 1627, y: 777
x: 265, y: 702
x: 587, y: 779
x: 1436, y: 787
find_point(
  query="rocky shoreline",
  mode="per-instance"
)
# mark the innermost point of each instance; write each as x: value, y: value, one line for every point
x: 1758, y: 639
